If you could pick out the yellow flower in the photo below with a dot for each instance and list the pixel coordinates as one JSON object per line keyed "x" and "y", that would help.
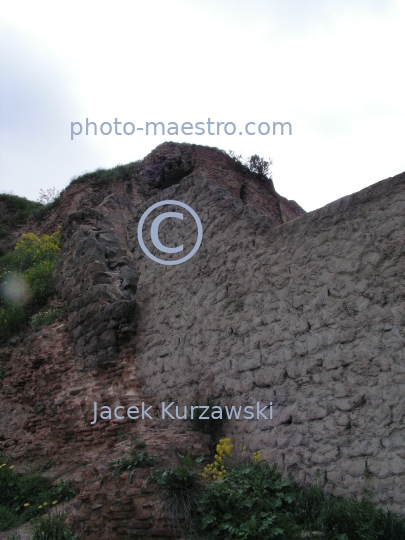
{"x": 45, "y": 503}
{"x": 217, "y": 469}
{"x": 54, "y": 502}
{"x": 40, "y": 506}
{"x": 12, "y": 467}
{"x": 26, "y": 504}
{"x": 256, "y": 458}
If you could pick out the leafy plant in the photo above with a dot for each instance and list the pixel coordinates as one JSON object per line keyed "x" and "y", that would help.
{"x": 26, "y": 279}
{"x": 64, "y": 491}
{"x": 52, "y": 527}
{"x": 309, "y": 504}
{"x": 30, "y": 252}
{"x": 121, "y": 435}
{"x": 129, "y": 464}
{"x": 250, "y": 501}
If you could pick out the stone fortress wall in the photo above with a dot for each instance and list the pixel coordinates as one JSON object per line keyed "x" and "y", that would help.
{"x": 309, "y": 315}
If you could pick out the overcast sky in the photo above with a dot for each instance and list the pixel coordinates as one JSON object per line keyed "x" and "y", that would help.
{"x": 333, "y": 69}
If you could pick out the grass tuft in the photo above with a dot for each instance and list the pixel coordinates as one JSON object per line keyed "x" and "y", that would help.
{"x": 52, "y": 527}
{"x": 104, "y": 177}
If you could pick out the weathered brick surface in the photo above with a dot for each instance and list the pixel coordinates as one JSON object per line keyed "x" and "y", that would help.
{"x": 47, "y": 420}
{"x": 171, "y": 162}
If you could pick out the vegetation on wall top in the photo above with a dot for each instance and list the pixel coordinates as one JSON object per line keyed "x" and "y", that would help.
{"x": 103, "y": 177}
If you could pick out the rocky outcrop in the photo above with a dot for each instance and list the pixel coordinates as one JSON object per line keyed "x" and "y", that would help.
{"x": 97, "y": 282}
{"x": 167, "y": 165}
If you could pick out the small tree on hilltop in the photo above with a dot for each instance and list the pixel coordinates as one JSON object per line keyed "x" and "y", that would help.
{"x": 258, "y": 165}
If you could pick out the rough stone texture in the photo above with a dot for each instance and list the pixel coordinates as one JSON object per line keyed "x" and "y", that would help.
{"x": 97, "y": 282}
{"x": 309, "y": 315}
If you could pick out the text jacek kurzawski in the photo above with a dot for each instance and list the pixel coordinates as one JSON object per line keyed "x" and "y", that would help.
{"x": 171, "y": 411}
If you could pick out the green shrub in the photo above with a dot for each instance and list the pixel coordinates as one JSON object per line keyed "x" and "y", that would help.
{"x": 26, "y": 279}
{"x": 64, "y": 491}
{"x": 44, "y": 317}
{"x": 129, "y": 464}
{"x": 18, "y": 209}
{"x": 29, "y": 251}
{"x": 12, "y": 318}
{"x": 40, "y": 281}
{"x": 52, "y": 527}
{"x": 251, "y": 501}
{"x": 29, "y": 487}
